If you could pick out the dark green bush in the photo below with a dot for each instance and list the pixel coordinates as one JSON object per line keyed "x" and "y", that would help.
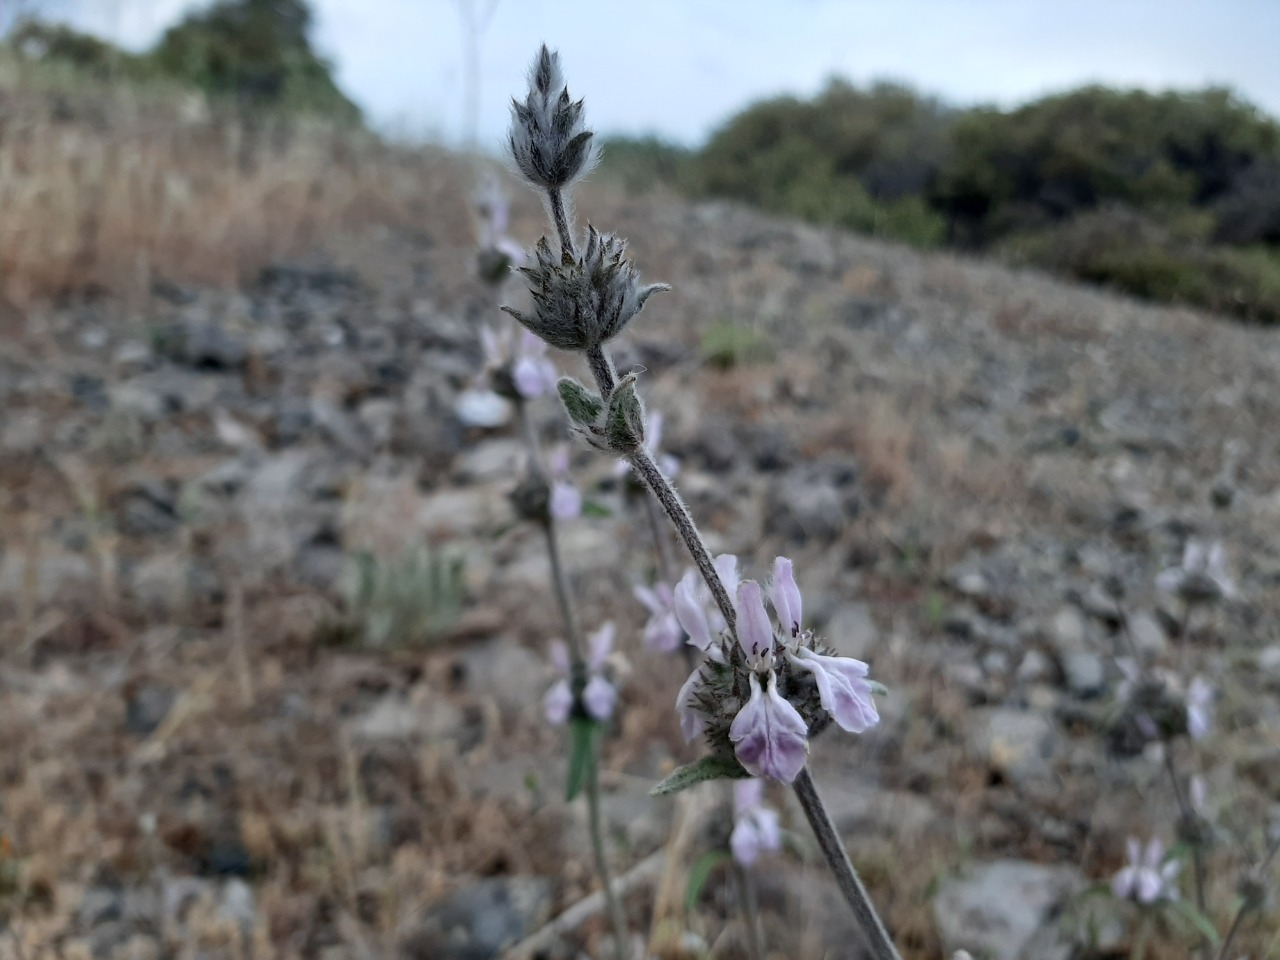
{"x": 256, "y": 52}
{"x": 1065, "y": 155}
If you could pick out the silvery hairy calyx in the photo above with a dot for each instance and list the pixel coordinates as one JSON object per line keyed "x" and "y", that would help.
{"x": 766, "y": 684}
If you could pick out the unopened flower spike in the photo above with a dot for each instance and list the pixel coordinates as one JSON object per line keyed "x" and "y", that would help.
{"x": 549, "y": 140}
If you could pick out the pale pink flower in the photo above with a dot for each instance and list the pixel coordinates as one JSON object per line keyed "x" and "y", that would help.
{"x": 662, "y": 631}
{"x": 1147, "y": 878}
{"x": 599, "y": 696}
{"x": 755, "y": 824}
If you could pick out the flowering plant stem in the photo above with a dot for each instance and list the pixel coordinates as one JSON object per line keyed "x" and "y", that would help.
{"x": 642, "y": 462}
{"x": 855, "y": 894}
{"x": 1188, "y": 815}
{"x": 577, "y": 661}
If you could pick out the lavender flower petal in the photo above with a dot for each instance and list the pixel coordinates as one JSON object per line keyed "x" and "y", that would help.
{"x": 785, "y": 596}
{"x": 566, "y": 501}
{"x": 691, "y": 720}
{"x": 691, "y": 611}
{"x": 755, "y": 632}
{"x": 557, "y": 703}
{"x": 842, "y": 688}
{"x": 770, "y": 737}
{"x": 599, "y": 697}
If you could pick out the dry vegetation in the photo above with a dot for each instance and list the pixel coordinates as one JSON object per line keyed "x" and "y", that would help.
{"x": 271, "y": 761}
{"x": 111, "y": 194}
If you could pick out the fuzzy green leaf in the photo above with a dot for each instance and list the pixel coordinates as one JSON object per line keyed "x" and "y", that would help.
{"x": 624, "y": 421}
{"x": 700, "y": 771}
{"x": 583, "y": 406}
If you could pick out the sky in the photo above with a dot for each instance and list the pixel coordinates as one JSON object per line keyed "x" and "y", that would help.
{"x": 678, "y": 68}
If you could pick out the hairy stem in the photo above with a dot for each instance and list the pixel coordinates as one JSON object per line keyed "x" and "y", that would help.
{"x": 602, "y": 369}
{"x": 559, "y": 578}
{"x": 560, "y": 217}
{"x": 564, "y": 598}
{"x": 648, "y": 471}
{"x": 1188, "y": 814}
{"x": 855, "y": 894}
{"x": 621, "y": 934}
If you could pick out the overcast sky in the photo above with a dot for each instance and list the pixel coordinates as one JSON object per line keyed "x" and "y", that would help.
{"x": 678, "y": 67}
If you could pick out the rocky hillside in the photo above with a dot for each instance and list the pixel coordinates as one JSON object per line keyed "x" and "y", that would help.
{"x": 210, "y": 749}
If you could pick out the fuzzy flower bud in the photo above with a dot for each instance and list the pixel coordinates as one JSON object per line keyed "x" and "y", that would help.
{"x": 549, "y": 142}
{"x": 582, "y": 302}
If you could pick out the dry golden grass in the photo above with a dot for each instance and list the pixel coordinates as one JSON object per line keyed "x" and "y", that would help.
{"x": 174, "y": 192}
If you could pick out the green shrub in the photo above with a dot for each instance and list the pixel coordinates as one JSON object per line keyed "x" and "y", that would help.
{"x": 1126, "y": 250}
{"x": 256, "y": 52}
{"x": 1069, "y": 154}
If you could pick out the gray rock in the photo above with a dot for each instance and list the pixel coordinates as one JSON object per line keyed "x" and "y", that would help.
{"x": 995, "y": 910}
{"x": 146, "y": 706}
{"x": 396, "y": 718}
{"x": 237, "y": 904}
{"x": 1036, "y": 667}
{"x": 478, "y": 921}
{"x": 497, "y": 458}
{"x": 161, "y": 582}
{"x": 1084, "y": 672}
{"x": 482, "y": 408}
{"x": 1269, "y": 661}
{"x": 1016, "y": 743}
{"x": 1148, "y": 635}
{"x": 1068, "y": 630}
{"x": 509, "y": 673}
{"x": 207, "y": 346}
{"x": 852, "y": 631}
{"x": 803, "y": 511}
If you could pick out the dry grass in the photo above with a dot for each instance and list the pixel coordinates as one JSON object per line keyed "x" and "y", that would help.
{"x": 171, "y": 191}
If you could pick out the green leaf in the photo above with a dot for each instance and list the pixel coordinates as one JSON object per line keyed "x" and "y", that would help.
{"x": 1197, "y": 919}
{"x": 699, "y": 874}
{"x": 582, "y": 406}
{"x": 582, "y": 754}
{"x": 594, "y": 508}
{"x": 708, "y": 768}
{"x": 624, "y": 418}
